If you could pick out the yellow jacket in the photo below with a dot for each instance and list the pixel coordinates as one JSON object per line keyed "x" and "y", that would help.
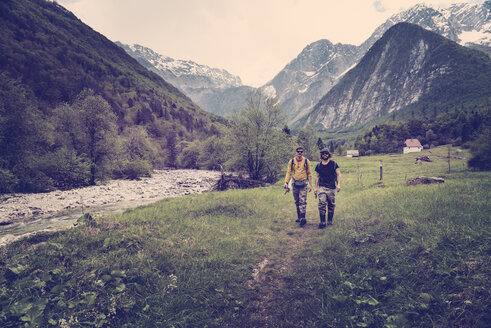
{"x": 299, "y": 172}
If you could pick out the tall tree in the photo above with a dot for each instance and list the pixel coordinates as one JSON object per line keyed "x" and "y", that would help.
{"x": 171, "y": 147}
{"x": 307, "y": 138}
{"x": 481, "y": 151}
{"x": 23, "y": 136}
{"x": 258, "y": 139}
{"x": 99, "y": 132}
{"x": 320, "y": 144}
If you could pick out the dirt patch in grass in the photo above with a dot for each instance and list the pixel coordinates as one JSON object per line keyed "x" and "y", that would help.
{"x": 268, "y": 278}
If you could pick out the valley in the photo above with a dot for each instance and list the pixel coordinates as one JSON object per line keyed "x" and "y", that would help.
{"x": 88, "y": 239}
{"x": 397, "y": 255}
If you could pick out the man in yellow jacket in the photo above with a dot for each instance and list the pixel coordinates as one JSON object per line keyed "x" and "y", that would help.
{"x": 299, "y": 170}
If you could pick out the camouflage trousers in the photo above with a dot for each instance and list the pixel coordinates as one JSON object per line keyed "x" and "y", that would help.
{"x": 300, "y": 197}
{"x": 327, "y": 198}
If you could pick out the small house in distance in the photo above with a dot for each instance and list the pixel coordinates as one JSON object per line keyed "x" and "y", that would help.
{"x": 412, "y": 146}
{"x": 352, "y": 153}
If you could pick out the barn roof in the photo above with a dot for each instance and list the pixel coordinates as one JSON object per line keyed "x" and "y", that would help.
{"x": 412, "y": 143}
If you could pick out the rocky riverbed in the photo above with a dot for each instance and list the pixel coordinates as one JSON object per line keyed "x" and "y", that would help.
{"x": 24, "y": 214}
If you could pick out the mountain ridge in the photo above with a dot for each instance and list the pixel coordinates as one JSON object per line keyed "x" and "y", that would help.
{"x": 175, "y": 70}
{"x": 409, "y": 65}
{"x": 20, "y": 59}
{"x": 452, "y": 22}
{"x": 319, "y": 66}
{"x": 215, "y": 90}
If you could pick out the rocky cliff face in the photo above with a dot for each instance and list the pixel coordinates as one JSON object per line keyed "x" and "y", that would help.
{"x": 307, "y": 78}
{"x": 408, "y": 65}
{"x": 214, "y": 90}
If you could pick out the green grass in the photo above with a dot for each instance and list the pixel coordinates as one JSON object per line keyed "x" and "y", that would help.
{"x": 397, "y": 256}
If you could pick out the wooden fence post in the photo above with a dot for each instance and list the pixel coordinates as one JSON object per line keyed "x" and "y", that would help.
{"x": 449, "y": 146}
{"x": 358, "y": 170}
{"x": 381, "y": 167}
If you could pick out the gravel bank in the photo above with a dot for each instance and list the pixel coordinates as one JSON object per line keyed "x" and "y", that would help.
{"x": 18, "y": 212}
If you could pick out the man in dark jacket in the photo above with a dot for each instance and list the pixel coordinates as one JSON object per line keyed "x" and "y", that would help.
{"x": 327, "y": 182}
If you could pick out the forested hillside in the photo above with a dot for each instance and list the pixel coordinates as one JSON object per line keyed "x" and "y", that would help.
{"x": 458, "y": 128}
{"x": 57, "y": 77}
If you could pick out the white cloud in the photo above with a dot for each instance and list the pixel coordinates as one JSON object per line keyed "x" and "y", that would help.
{"x": 379, "y": 6}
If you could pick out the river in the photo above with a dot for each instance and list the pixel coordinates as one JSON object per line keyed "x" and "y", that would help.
{"x": 24, "y": 214}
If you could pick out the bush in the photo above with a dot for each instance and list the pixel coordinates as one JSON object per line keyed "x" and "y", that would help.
{"x": 135, "y": 169}
{"x": 31, "y": 176}
{"x": 66, "y": 169}
{"x": 189, "y": 157}
{"x": 8, "y": 181}
{"x": 213, "y": 153}
{"x": 481, "y": 152}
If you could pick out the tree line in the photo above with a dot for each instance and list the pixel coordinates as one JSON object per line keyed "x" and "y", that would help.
{"x": 467, "y": 128}
{"x": 81, "y": 143}
{"x": 458, "y": 128}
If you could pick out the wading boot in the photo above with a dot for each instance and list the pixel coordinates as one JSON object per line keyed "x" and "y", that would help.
{"x": 303, "y": 221}
{"x": 329, "y": 218}
{"x": 322, "y": 225}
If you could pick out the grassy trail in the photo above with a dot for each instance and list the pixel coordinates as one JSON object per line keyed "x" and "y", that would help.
{"x": 268, "y": 277}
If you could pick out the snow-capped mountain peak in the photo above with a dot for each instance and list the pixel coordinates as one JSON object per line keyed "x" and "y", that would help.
{"x": 461, "y": 22}
{"x": 175, "y": 70}
{"x": 213, "y": 89}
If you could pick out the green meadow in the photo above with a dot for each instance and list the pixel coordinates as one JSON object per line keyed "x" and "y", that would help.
{"x": 396, "y": 256}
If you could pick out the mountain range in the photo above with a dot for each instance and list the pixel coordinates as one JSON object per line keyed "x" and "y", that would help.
{"x": 214, "y": 90}
{"x": 308, "y": 77}
{"x": 298, "y": 87}
{"x": 409, "y": 67}
{"x": 319, "y": 67}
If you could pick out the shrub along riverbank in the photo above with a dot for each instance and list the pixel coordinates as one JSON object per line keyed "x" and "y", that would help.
{"x": 397, "y": 256}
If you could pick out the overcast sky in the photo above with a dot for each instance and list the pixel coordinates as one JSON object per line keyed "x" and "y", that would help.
{"x": 253, "y": 39}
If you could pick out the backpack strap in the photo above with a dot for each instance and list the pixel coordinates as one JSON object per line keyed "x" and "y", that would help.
{"x": 305, "y": 164}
